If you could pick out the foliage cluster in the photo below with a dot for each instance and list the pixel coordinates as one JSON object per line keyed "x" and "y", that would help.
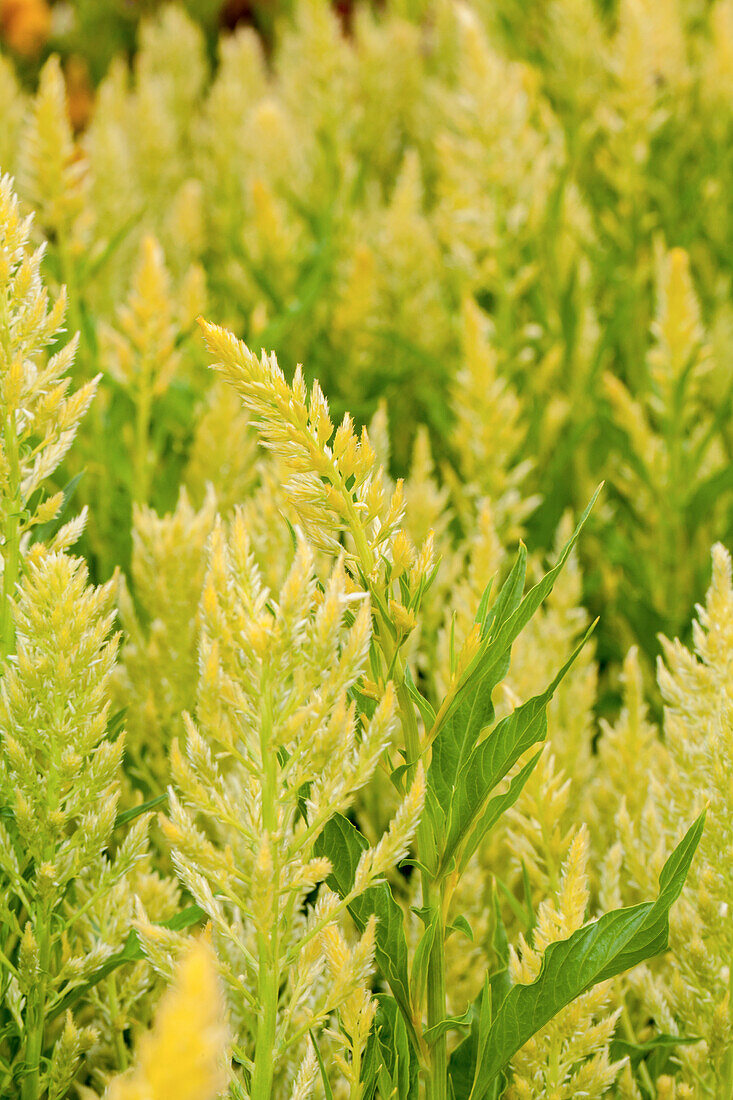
{"x": 313, "y": 780}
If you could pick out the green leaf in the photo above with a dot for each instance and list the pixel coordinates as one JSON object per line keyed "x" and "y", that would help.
{"x": 499, "y": 982}
{"x": 472, "y": 710}
{"x": 499, "y": 940}
{"x": 328, "y": 1092}
{"x": 460, "y": 924}
{"x": 115, "y": 724}
{"x": 656, "y": 1052}
{"x": 451, "y": 1023}
{"x": 126, "y": 816}
{"x": 389, "y": 1064}
{"x": 426, "y": 711}
{"x": 396, "y": 778}
{"x": 193, "y": 914}
{"x": 434, "y": 815}
{"x": 483, "y": 607}
{"x": 342, "y": 844}
{"x": 463, "y": 1062}
{"x": 523, "y": 913}
{"x": 90, "y": 266}
{"x": 531, "y": 915}
{"x": 421, "y": 959}
{"x": 709, "y": 491}
{"x": 490, "y": 761}
{"x": 497, "y": 807}
{"x": 615, "y": 942}
{"x": 509, "y": 598}
{"x": 486, "y": 1008}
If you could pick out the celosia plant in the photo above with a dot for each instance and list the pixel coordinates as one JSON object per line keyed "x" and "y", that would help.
{"x": 498, "y": 235}
{"x": 60, "y": 757}
{"x": 274, "y": 752}
{"x": 59, "y": 787}
{"x": 40, "y": 417}
{"x": 336, "y": 485}
{"x": 690, "y": 997}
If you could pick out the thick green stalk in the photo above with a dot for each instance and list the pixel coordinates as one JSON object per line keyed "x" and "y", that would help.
{"x": 356, "y": 1091}
{"x": 268, "y": 945}
{"x": 437, "y": 1082}
{"x": 42, "y": 988}
{"x": 121, "y": 1048}
{"x": 36, "y": 1014}
{"x": 437, "y": 1070}
{"x": 630, "y": 1034}
{"x": 266, "y": 1024}
{"x": 141, "y": 465}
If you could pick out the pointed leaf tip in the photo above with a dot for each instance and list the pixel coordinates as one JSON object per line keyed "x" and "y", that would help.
{"x": 600, "y": 950}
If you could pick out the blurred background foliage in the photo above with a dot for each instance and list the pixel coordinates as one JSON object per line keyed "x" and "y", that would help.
{"x": 507, "y": 221}
{"x": 93, "y": 32}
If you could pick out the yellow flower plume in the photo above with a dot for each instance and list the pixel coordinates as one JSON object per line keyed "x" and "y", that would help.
{"x": 183, "y": 1055}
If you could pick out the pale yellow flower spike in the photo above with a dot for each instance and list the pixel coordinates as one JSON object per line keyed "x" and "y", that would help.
{"x": 183, "y": 1056}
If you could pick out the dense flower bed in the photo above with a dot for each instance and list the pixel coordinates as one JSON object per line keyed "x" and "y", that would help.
{"x": 276, "y": 665}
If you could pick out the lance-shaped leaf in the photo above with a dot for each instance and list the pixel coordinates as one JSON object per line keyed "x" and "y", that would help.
{"x": 606, "y": 947}
{"x": 342, "y": 844}
{"x": 390, "y": 1066}
{"x": 494, "y": 810}
{"x": 472, "y": 710}
{"x": 655, "y": 1053}
{"x": 490, "y": 761}
{"x": 421, "y": 960}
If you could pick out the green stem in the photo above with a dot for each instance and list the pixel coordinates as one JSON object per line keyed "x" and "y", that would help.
{"x": 631, "y": 1036}
{"x": 268, "y": 946}
{"x": 426, "y": 853}
{"x": 266, "y": 1026}
{"x": 36, "y": 1015}
{"x": 437, "y": 1081}
{"x": 41, "y": 992}
{"x": 119, "y": 1039}
{"x": 437, "y": 1069}
{"x": 357, "y": 1089}
{"x": 141, "y": 466}
{"x": 409, "y": 721}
